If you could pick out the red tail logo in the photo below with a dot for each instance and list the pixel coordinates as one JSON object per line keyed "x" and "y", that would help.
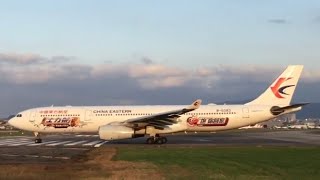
{"x": 277, "y": 90}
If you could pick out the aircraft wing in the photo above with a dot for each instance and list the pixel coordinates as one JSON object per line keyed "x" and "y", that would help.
{"x": 161, "y": 120}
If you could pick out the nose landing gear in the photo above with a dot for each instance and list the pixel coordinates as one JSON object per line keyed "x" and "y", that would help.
{"x": 38, "y": 138}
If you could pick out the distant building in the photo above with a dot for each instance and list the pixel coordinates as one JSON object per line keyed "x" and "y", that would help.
{"x": 290, "y": 117}
{"x": 280, "y": 121}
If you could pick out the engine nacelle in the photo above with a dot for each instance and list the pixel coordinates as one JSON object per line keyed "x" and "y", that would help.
{"x": 114, "y": 132}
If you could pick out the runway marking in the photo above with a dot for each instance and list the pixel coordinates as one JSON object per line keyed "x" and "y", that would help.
{"x": 86, "y": 135}
{"x": 13, "y": 142}
{"x": 62, "y": 157}
{"x": 5, "y": 143}
{"x": 58, "y": 143}
{"x": 48, "y": 157}
{"x": 100, "y": 144}
{"x": 75, "y": 143}
{"x": 22, "y": 143}
{"x": 204, "y": 140}
{"x": 39, "y": 144}
{"x": 36, "y": 156}
{"x": 92, "y": 143}
{"x": 25, "y": 141}
{"x": 10, "y": 155}
{"x": 31, "y": 143}
{"x": 16, "y": 139}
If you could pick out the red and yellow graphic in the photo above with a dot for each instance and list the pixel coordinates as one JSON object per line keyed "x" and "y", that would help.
{"x": 277, "y": 90}
{"x": 192, "y": 121}
{"x": 204, "y": 121}
{"x": 64, "y": 122}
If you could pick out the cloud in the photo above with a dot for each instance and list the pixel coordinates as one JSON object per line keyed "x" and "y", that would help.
{"x": 278, "y": 21}
{"x": 13, "y": 58}
{"x": 30, "y": 58}
{"x": 60, "y": 59}
{"x": 147, "y": 75}
{"x": 317, "y": 19}
{"x": 41, "y": 84}
{"x": 147, "y": 60}
{"x": 311, "y": 76}
{"x": 154, "y": 70}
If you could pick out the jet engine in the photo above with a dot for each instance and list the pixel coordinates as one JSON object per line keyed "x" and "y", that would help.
{"x": 114, "y": 132}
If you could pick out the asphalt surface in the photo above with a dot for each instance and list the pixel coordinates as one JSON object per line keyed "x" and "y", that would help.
{"x": 59, "y": 148}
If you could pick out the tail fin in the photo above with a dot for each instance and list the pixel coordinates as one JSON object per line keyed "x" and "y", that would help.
{"x": 282, "y": 89}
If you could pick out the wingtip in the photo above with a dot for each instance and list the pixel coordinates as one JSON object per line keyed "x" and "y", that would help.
{"x": 196, "y": 104}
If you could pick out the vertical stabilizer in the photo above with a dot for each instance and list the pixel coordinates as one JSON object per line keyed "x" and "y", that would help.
{"x": 282, "y": 89}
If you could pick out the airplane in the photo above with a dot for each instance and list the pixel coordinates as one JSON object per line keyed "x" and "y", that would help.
{"x": 125, "y": 122}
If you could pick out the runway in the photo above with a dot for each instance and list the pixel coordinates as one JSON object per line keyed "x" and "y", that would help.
{"x": 239, "y": 137}
{"x": 54, "y": 141}
{"x": 57, "y": 148}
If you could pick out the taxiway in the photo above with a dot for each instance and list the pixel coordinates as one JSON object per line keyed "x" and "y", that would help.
{"x": 57, "y": 148}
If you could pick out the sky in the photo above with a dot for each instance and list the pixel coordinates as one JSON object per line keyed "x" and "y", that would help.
{"x": 94, "y": 52}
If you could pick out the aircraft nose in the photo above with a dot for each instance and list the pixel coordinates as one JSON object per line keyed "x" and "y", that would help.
{"x": 12, "y": 122}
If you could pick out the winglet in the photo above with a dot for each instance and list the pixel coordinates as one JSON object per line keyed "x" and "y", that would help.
{"x": 195, "y": 105}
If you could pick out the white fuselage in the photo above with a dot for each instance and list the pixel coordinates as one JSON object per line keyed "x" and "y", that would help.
{"x": 88, "y": 119}
{"x": 122, "y": 122}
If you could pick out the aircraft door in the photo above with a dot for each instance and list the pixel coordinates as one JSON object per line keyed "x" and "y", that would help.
{"x": 88, "y": 116}
{"x": 245, "y": 112}
{"x": 32, "y": 116}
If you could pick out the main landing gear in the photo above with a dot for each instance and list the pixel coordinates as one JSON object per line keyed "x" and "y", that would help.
{"x": 157, "y": 140}
{"x": 38, "y": 138}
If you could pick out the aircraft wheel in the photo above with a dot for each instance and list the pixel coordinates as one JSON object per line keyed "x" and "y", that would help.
{"x": 37, "y": 137}
{"x": 38, "y": 141}
{"x": 159, "y": 140}
{"x": 165, "y": 140}
{"x": 150, "y": 140}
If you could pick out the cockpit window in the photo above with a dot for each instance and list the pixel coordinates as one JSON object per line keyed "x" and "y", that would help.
{"x": 19, "y": 115}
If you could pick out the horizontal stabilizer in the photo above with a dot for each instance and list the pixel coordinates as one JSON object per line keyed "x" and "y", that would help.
{"x": 275, "y": 110}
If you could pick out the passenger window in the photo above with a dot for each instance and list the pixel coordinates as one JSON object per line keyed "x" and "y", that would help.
{"x": 19, "y": 115}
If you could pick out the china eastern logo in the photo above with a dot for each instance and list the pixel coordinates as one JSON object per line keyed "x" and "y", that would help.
{"x": 278, "y": 90}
